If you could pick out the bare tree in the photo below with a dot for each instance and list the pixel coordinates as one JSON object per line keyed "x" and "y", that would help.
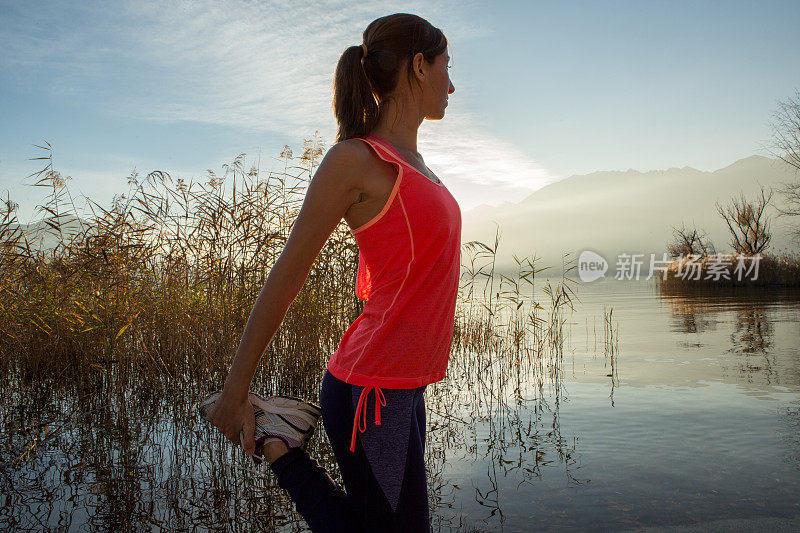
{"x": 785, "y": 126}
{"x": 791, "y": 195}
{"x": 750, "y": 227}
{"x": 688, "y": 241}
{"x": 785, "y": 145}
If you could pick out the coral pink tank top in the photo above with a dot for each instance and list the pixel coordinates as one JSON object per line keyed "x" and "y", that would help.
{"x": 408, "y": 272}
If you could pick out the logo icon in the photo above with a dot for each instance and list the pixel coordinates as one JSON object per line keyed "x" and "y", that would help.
{"x": 591, "y": 266}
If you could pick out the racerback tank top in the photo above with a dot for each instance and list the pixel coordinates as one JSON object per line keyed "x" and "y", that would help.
{"x": 408, "y": 272}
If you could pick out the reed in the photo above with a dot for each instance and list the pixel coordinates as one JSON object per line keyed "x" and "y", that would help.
{"x": 116, "y": 316}
{"x": 166, "y": 276}
{"x": 164, "y": 279}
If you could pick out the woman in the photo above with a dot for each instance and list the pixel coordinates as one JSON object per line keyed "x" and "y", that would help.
{"x": 408, "y": 229}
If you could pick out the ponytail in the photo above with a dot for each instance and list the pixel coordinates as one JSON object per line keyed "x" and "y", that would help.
{"x": 354, "y": 105}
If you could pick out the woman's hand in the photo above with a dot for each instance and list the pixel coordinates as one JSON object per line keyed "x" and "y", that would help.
{"x": 233, "y": 415}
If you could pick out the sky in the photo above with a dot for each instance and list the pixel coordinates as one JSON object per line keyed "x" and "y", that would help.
{"x": 543, "y": 90}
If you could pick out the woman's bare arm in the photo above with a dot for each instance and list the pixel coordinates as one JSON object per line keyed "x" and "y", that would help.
{"x": 334, "y": 187}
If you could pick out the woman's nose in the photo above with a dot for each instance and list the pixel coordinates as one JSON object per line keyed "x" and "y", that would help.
{"x": 452, "y": 88}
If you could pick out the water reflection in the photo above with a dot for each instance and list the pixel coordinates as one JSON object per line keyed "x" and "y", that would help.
{"x": 126, "y": 456}
{"x": 749, "y": 318}
{"x": 495, "y": 419}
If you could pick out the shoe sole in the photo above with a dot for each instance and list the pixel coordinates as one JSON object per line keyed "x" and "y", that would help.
{"x": 284, "y": 405}
{"x": 289, "y": 405}
{"x": 279, "y": 405}
{"x": 282, "y": 402}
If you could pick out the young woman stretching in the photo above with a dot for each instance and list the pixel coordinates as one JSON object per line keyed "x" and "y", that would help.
{"x": 408, "y": 229}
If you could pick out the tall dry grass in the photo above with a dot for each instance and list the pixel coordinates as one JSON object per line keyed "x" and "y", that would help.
{"x": 163, "y": 280}
{"x": 114, "y": 329}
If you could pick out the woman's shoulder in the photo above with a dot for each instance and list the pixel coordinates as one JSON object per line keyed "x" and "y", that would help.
{"x": 350, "y": 150}
{"x": 356, "y": 157}
{"x": 346, "y": 158}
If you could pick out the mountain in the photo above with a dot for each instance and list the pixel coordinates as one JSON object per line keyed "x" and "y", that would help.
{"x": 612, "y": 212}
{"x": 43, "y": 236}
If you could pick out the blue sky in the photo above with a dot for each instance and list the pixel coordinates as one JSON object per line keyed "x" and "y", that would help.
{"x": 544, "y": 90}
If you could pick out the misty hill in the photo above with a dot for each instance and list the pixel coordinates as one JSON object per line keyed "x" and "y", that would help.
{"x": 43, "y": 236}
{"x": 612, "y": 212}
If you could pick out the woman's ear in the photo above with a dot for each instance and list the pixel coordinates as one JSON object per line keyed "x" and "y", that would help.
{"x": 417, "y": 64}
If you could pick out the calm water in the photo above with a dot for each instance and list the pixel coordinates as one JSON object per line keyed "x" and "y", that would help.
{"x": 692, "y": 418}
{"x": 699, "y": 422}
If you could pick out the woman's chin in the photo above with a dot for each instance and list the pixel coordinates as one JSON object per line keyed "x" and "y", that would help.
{"x": 438, "y": 116}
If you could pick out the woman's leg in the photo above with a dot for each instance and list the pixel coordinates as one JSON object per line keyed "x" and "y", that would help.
{"x": 364, "y": 493}
{"x": 364, "y": 507}
{"x": 366, "y": 496}
{"x": 319, "y": 500}
{"x": 413, "y": 514}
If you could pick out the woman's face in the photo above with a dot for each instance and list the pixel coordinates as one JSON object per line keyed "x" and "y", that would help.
{"x": 437, "y": 86}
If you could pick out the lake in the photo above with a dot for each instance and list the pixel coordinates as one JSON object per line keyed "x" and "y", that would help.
{"x": 698, "y": 424}
{"x": 689, "y": 416}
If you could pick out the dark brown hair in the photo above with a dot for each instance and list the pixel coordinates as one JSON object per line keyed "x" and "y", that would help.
{"x": 362, "y": 84}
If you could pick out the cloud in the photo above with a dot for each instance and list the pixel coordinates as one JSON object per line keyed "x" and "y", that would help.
{"x": 461, "y": 150}
{"x": 257, "y": 65}
{"x": 252, "y": 66}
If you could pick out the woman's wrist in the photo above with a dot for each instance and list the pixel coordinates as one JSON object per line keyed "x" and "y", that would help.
{"x": 236, "y": 387}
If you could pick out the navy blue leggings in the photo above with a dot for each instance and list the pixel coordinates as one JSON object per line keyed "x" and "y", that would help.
{"x": 364, "y": 507}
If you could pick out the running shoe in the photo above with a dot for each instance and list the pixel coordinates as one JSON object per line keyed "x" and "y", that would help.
{"x": 285, "y": 418}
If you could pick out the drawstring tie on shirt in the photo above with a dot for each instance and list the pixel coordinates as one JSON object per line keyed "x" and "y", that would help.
{"x": 361, "y": 411}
